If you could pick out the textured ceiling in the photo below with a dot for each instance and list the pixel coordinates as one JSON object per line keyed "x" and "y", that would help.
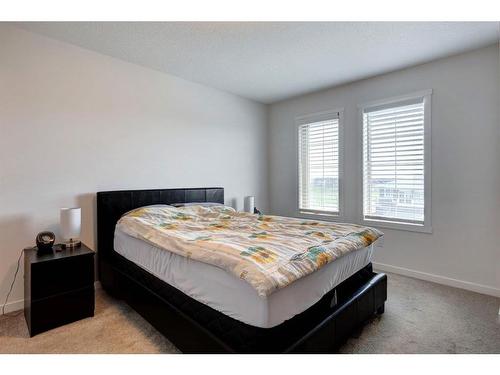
{"x": 273, "y": 61}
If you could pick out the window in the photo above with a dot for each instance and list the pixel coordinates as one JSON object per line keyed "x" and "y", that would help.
{"x": 396, "y": 162}
{"x": 319, "y": 180}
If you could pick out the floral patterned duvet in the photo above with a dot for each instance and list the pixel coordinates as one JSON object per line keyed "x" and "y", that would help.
{"x": 269, "y": 252}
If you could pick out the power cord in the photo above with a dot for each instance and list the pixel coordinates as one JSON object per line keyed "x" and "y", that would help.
{"x": 13, "y": 281}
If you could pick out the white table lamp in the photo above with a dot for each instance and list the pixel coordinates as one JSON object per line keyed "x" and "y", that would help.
{"x": 249, "y": 204}
{"x": 71, "y": 223}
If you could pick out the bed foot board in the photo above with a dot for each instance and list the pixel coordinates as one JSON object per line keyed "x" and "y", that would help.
{"x": 364, "y": 305}
{"x": 322, "y": 331}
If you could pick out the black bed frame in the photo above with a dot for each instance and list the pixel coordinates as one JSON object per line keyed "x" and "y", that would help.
{"x": 196, "y": 328}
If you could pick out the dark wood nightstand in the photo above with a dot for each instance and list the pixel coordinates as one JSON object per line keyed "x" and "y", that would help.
{"x": 58, "y": 287}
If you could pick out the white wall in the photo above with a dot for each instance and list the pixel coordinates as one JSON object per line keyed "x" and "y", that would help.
{"x": 74, "y": 122}
{"x": 464, "y": 248}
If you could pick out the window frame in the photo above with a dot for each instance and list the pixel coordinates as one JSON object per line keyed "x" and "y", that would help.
{"x": 310, "y": 118}
{"x": 426, "y": 227}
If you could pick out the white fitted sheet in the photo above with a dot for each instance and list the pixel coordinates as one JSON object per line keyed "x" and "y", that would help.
{"x": 232, "y": 296}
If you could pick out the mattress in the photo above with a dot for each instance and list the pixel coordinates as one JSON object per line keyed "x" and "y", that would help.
{"x": 232, "y": 296}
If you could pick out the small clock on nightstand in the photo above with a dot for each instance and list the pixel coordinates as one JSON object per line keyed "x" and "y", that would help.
{"x": 58, "y": 287}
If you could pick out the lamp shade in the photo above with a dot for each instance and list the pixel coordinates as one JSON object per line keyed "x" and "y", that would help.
{"x": 249, "y": 204}
{"x": 71, "y": 222}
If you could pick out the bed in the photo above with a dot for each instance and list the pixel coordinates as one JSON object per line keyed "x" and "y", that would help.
{"x": 203, "y": 309}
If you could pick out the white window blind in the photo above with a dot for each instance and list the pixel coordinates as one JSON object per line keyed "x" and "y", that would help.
{"x": 319, "y": 166}
{"x": 393, "y": 162}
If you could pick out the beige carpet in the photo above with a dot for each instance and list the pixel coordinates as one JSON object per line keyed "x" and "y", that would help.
{"x": 420, "y": 317}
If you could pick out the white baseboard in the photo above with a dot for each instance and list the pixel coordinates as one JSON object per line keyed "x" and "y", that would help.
{"x": 467, "y": 285}
{"x": 19, "y": 304}
{"x": 14, "y": 306}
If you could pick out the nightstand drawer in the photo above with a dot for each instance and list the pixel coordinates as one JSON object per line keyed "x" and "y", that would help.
{"x": 64, "y": 308}
{"x": 61, "y": 276}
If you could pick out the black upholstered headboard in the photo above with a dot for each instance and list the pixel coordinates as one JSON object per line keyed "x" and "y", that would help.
{"x": 111, "y": 205}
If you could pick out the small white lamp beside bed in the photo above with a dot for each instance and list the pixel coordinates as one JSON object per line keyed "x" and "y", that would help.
{"x": 71, "y": 223}
{"x": 249, "y": 204}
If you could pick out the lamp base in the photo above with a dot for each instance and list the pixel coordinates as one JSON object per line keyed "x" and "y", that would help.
{"x": 71, "y": 244}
